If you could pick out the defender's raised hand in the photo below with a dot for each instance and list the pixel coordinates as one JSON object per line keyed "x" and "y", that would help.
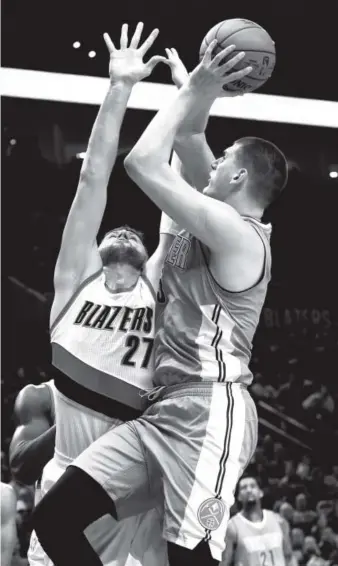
{"x": 212, "y": 73}
{"x": 179, "y": 72}
{"x": 126, "y": 64}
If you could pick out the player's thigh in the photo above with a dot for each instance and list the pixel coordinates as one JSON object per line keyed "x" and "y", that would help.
{"x": 208, "y": 439}
{"x": 116, "y": 462}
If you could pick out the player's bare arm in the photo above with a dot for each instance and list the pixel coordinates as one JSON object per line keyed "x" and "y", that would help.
{"x": 230, "y": 541}
{"x": 287, "y": 547}
{"x": 8, "y": 523}
{"x": 214, "y": 223}
{"x": 190, "y": 142}
{"x": 79, "y": 255}
{"x": 33, "y": 442}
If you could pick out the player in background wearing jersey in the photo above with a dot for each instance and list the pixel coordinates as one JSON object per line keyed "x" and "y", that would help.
{"x": 102, "y": 330}
{"x": 32, "y": 447}
{"x": 200, "y": 430}
{"x": 8, "y": 523}
{"x": 256, "y": 536}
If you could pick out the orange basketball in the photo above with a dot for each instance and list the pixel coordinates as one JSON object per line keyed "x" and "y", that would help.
{"x": 258, "y": 46}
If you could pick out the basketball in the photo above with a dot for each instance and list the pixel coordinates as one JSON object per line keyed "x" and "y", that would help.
{"x": 259, "y": 49}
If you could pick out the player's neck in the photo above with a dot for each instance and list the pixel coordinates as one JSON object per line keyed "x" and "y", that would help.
{"x": 245, "y": 206}
{"x": 120, "y": 277}
{"x": 255, "y": 515}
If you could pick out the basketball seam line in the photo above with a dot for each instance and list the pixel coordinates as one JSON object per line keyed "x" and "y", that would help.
{"x": 238, "y": 30}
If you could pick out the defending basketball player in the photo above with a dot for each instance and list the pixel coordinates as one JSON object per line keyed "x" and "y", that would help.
{"x": 256, "y": 536}
{"x": 200, "y": 430}
{"x": 102, "y": 329}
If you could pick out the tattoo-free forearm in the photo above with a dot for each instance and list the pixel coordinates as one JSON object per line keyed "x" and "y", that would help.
{"x": 156, "y": 143}
{"x": 29, "y": 457}
{"x": 103, "y": 142}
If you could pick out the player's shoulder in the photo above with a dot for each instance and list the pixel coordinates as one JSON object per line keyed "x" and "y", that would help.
{"x": 233, "y": 526}
{"x": 32, "y": 401}
{"x": 277, "y": 518}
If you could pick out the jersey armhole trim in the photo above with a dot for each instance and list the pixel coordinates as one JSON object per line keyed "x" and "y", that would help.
{"x": 73, "y": 297}
{"x": 244, "y": 290}
{"x": 149, "y": 284}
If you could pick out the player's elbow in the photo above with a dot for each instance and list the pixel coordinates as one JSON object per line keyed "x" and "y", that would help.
{"x": 139, "y": 164}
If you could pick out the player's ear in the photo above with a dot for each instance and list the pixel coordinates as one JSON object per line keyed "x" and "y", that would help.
{"x": 261, "y": 494}
{"x": 239, "y": 176}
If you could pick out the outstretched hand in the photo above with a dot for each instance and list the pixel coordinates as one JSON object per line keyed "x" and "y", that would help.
{"x": 126, "y": 64}
{"x": 212, "y": 73}
{"x": 179, "y": 72}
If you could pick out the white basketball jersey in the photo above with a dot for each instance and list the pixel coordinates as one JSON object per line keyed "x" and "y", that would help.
{"x": 103, "y": 343}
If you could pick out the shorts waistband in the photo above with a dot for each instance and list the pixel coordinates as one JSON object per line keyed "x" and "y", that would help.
{"x": 198, "y": 388}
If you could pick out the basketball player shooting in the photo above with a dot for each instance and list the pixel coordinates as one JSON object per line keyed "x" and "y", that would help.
{"x": 256, "y": 536}
{"x": 102, "y": 330}
{"x": 200, "y": 430}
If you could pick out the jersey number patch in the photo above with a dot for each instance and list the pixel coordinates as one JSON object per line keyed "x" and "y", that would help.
{"x": 267, "y": 559}
{"x": 133, "y": 343}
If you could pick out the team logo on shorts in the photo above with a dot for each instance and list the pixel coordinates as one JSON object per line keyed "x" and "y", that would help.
{"x": 211, "y": 513}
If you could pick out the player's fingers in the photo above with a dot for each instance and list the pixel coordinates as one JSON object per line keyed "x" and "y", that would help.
{"x": 208, "y": 52}
{"x": 154, "y": 61}
{"x": 124, "y": 37}
{"x": 110, "y": 45}
{"x": 175, "y": 52}
{"x": 222, "y": 55}
{"x": 149, "y": 41}
{"x": 226, "y": 67}
{"x": 137, "y": 35}
{"x": 169, "y": 54}
{"x": 237, "y": 75}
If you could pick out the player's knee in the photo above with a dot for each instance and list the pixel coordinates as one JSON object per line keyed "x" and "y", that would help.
{"x": 73, "y": 503}
{"x": 200, "y": 555}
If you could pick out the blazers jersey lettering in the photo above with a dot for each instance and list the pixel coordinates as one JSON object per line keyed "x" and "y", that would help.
{"x": 205, "y": 332}
{"x": 258, "y": 544}
{"x": 103, "y": 343}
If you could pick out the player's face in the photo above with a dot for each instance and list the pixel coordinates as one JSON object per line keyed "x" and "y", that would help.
{"x": 222, "y": 181}
{"x": 249, "y": 491}
{"x": 123, "y": 246}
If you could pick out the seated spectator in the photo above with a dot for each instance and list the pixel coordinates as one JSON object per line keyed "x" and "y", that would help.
{"x": 287, "y": 511}
{"x": 297, "y": 542}
{"x": 328, "y": 544}
{"x": 303, "y": 517}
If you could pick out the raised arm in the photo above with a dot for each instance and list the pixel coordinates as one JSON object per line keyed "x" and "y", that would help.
{"x": 213, "y": 222}
{"x": 190, "y": 142}
{"x": 33, "y": 442}
{"x": 79, "y": 255}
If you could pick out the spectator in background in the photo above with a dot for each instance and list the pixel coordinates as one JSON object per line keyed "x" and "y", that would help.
{"x": 287, "y": 511}
{"x": 297, "y": 542}
{"x": 319, "y": 405}
{"x": 328, "y": 544}
{"x": 303, "y": 517}
{"x": 24, "y": 507}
